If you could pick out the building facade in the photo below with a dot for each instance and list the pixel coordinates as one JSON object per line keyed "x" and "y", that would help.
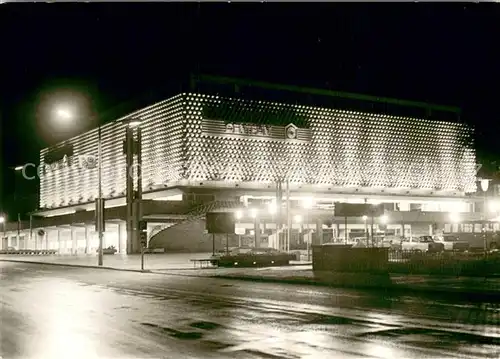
{"x": 199, "y": 148}
{"x": 223, "y": 142}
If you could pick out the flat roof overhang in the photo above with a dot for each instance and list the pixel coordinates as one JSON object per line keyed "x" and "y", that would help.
{"x": 156, "y": 195}
{"x": 320, "y": 192}
{"x": 230, "y": 189}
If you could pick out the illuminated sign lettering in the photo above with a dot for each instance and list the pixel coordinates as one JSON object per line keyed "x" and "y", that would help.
{"x": 248, "y": 129}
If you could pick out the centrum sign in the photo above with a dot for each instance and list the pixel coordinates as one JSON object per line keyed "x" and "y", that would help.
{"x": 244, "y": 129}
{"x": 248, "y": 129}
{"x": 85, "y": 161}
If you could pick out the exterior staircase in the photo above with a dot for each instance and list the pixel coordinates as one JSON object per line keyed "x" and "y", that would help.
{"x": 195, "y": 215}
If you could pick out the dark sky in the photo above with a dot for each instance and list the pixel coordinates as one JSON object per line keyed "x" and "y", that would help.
{"x": 123, "y": 55}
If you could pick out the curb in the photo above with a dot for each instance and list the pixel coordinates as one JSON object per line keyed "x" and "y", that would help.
{"x": 78, "y": 266}
{"x": 395, "y": 288}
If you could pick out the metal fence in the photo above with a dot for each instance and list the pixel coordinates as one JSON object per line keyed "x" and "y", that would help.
{"x": 444, "y": 263}
{"x": 29, "y": 251}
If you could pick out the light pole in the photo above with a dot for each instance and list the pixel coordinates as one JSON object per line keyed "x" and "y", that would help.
{"x": 253, "y": 214}
{"x": 272, "y": 208}
{"x": 308, "y": 204}
{"x": 131, "y": 123}
{"x": 2, "y": 221}
{"x": 67, "y": 115}
{"x": 494, "y": 207}
{"x": 17, "y": 169}
{"x": 365, "y": 218}
{"x": 454, "y": 218}
{"x": 384, "y": 219}
{"x": 298, "y": 219}
{"x": 100, "y": 202}
{"x": 288, "y": 216}
{"x": 485, "y": 183}
{"x": 238, "y": 216}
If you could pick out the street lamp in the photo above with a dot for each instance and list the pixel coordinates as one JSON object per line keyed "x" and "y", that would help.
{"x": 454, "y": 217}
{"x": 298, "y": 219}
{"x": 307, "y": 204}
{"x": 494, "y": 206}
{"x": 238, "y": 215}
{"x": 253, "y": 214}
{"x": 134, "y": 122}
{"x": 64, "y": 113}
{"x": 365, "y": 219}
{"x": 271, "y": 207}
{"x": 485, "y": 183}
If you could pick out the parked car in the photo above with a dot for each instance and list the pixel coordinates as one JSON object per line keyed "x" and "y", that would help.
{"x": 452, "y": 243}
{"x": 422, "y": 244}
{"x": 392, "y": 242}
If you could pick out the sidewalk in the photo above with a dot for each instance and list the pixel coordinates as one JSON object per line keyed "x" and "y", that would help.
{"x": 152, "y": 262}
{"x": 296, "y": 273}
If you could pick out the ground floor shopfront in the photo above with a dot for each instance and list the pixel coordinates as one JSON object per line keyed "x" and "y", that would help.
{"x": 82, "y": 238}
{"x": 72, "y": 230}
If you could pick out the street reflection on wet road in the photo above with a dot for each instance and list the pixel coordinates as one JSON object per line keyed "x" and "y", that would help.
{"x": 60, "y": 312}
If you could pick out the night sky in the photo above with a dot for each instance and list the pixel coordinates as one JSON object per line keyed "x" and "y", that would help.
{"x": 122, "y": 57}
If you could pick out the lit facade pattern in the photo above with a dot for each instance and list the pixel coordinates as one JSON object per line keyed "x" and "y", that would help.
{"x": 194, "y": 138}
{"x": 74, "y": 182}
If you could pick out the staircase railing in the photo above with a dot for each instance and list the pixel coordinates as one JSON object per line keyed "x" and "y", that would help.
{"x": 199, "y": 212}
{"x": 158, "y": 229}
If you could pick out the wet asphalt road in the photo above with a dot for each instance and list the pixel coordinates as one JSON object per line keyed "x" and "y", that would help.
{"x": 62, "y": 312}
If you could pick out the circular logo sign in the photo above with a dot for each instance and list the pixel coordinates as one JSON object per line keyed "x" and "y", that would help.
{"x": 90, "y": 162}
{"x": 291, "y": 132}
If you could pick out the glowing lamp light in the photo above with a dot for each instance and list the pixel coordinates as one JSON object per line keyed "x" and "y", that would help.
{"x": 134, "y": 122}
{"x": 365, "y": 218}
{"x": 253, "y": 212}
{"x": 2, "y": 219}
{"x": 297, "y": 218}
{"x": 238, "y": 214}
{"x": 454, "y": 217}
{"x": 308, "y": 203}
{"x": 494, "y": 206}
{"x": 485, "y": 183}
{"x": 64, "y": 113}
{"x": 18, "y": 168}
{"x": 384, "y": 219}
{"x": 271, "y": 208}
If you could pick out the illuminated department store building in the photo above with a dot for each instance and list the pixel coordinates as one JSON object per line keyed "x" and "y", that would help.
{"x": 205, "y": 152}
